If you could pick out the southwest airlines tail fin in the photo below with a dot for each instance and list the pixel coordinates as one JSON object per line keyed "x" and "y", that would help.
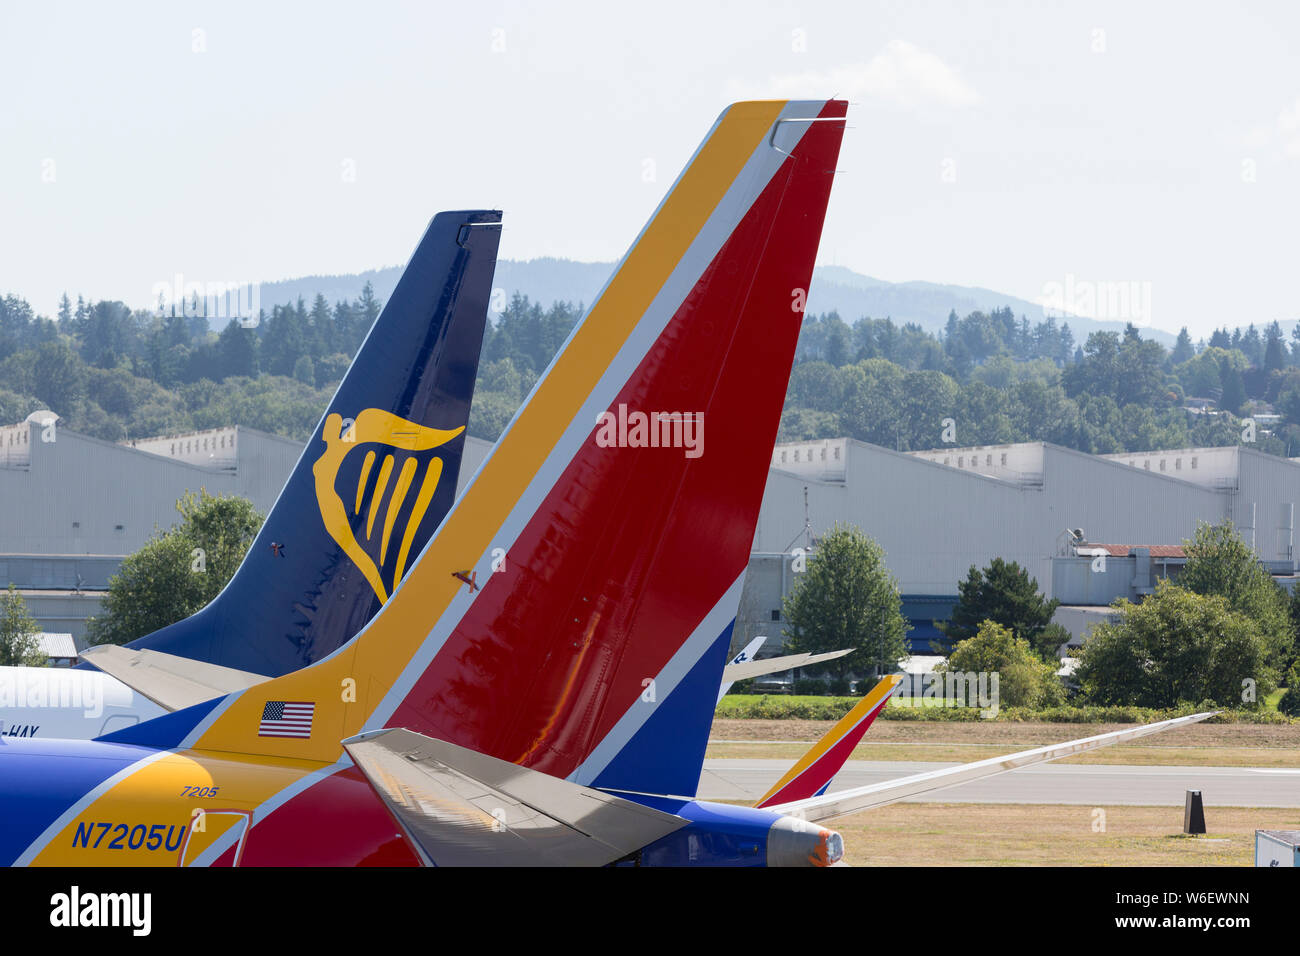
{"x": 590, "y": 572}
{"x": 375, "y": 479}
{"x": 813, "y": 773}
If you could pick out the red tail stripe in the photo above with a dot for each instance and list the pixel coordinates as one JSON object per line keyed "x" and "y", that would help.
{"x": 633, "y": 547}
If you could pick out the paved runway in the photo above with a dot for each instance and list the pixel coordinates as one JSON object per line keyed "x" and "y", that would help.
{"x": 1090, "y": 785}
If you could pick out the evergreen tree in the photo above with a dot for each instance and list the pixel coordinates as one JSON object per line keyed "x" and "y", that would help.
{"x": 1005, "y": 594}
{"x": 1274, "y": 350}
{"x": 1234, "y": 390}
{"x": 1252, "y": 345}
{"x": 367, "y": 308}
{"x": 950, "y": 330}
{"x": 1068, "y": 352}
{"x": 284, "y": 340}
{"x": 321, "y": 338}
{"x": 1182, "y": 348}
{"x": 237, "y": 351}
{"x": 837, "y": 343}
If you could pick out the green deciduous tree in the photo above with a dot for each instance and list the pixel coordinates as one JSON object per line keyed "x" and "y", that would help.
{"x": 58, "y": 378}
{"x": 847, "y": 598}
{"x": 1289, "y": 703}
{"x": 1177, "y": 647}
{"x": 1220, "y": 563}
{"x": 178, "y": 571}
{"x": 19, "y": 644}
{"x": 1024, "y": 680}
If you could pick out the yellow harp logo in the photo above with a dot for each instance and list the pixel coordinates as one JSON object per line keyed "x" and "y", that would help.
{"x": 375, "y": 426}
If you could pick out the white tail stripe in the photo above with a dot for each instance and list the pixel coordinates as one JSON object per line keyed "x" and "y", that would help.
{"x": 665, "y": 682}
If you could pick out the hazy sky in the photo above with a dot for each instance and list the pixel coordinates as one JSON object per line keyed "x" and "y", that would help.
{"x": 1023, "y": 147}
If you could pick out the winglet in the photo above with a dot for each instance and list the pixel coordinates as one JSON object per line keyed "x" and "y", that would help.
{"x": 831, "y": 805}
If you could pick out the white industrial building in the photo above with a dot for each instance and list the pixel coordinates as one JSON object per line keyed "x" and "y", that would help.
{"x": 71, "y": 507}
{"x": 936, "y": 513}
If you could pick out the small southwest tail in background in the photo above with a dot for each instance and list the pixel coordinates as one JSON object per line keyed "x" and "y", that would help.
{"x": 813, "y": 772}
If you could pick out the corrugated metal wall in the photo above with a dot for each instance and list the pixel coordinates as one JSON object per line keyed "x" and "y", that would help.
{"x": 934, "y": 521}
{"x": 84, "y": 496}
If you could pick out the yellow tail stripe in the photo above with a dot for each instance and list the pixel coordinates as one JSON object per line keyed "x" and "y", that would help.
{"x": 399, "y": 495}
{"x": 378, "y": 656}
{"x": 361, "y": 484}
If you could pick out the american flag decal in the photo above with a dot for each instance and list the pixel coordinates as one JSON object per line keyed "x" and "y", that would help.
{"x": 282, "y": 718}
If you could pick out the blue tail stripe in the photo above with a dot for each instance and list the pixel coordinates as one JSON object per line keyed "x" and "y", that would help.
{"x": 166, "y": 731}
{"x": 667, "y": 754}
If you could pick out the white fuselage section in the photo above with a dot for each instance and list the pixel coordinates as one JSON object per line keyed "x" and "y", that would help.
{"x": 67, "y": 703}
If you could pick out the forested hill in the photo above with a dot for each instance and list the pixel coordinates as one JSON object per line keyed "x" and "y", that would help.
{"x": 116, "y": 373}
{"x": 834, "y": 289}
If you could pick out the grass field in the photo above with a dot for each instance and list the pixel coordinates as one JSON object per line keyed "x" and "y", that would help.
{"x": 956, "y": 834}
{"x": 1200, "y": 745}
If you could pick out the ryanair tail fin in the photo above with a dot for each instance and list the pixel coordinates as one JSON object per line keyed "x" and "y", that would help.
{"x": 590, "y": 572}
{"x": 375, "y": 479}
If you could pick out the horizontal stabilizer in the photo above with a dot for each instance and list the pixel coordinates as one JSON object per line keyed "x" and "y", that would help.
{"x": 775, "y": 665}
{"x": 843, "y": 802}
{"x": 171, "y": 682}
{"x": 463, "y": 808}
